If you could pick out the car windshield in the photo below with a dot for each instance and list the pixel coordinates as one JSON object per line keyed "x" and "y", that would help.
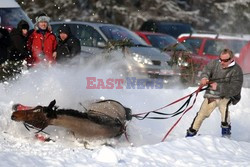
{"x": 116, "y": 33}
{"x": 193, "y": 44}
{"x": 9, "y": 17}
{"x": 236, "y": 45}
{"x": 214, "y": 47}
{"x": 164, "y": 41}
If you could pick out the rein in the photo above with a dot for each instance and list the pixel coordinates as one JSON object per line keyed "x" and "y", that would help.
{"x": 28, "y": 127}
{"x": 144, "y": 115}
{"x": 182, "y": 110}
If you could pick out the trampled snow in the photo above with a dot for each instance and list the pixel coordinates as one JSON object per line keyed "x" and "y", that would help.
{"x": 67, "y": 84}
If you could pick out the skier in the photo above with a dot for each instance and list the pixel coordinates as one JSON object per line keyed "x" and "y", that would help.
{"x": 224, "y": 78}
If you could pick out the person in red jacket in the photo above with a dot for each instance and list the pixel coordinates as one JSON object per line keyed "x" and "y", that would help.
{"x": 42, "y": 42}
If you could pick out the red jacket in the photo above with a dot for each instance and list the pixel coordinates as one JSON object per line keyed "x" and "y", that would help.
{"x": 40, "y": 44}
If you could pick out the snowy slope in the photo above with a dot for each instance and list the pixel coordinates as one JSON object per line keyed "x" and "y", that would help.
{"x": 68, "y": 86}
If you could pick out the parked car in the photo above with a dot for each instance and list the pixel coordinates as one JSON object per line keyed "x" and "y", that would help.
{"x": 189, "y": 64}
{"x": 95, "y": 38}
{"x": 243, "y": 61}
{"x": 158, "y": 40}
{"x": 11, "y": 13}
{"x": 210, "y": 45}
{"x": 171, "y": 28}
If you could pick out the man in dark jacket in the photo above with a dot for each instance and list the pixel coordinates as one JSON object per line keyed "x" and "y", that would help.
{"x": 17, "y": 51}
{"x": 19, "y": 36}
{"x": 68, "y": 45}
{"x": 224, "y": 78}
{"x": 4, "y": 44}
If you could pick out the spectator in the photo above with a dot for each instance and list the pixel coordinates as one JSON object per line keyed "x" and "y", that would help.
{"x": 19, "y": 36}
{"x": 225, "y": 79}
{"x": 42, "y": 42}
{"x": 4, "y": 44}
{"x": 68, "y": 45}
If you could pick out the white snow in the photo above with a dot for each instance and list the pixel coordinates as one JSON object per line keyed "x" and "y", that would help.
{"x": 68, "y": 86}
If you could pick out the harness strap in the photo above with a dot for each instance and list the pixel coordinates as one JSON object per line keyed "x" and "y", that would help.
{"x": 196, "y": 94}
{"x": 28, "y": 127}
{"x": 170, "y": 115}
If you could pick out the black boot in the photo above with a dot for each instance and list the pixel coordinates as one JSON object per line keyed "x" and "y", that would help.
{"x": 225, "y": 130}
{"x": 191, "y": 132}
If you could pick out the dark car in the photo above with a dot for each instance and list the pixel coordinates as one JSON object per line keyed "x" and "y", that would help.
{"x": 171, "y": 28}
{"x": 189, "y": 63}
{"x": 96, "y": 38}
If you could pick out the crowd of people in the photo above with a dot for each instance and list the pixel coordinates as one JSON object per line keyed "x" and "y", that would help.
{"x": 37, "y": 45}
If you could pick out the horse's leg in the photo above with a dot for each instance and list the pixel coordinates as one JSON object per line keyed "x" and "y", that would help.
{"x": 86, "y": 146}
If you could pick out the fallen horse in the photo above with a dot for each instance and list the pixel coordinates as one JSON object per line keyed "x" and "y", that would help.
{"x": 102, "y": 119}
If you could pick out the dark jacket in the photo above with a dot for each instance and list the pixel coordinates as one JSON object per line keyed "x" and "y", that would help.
{"x": 229, "y": 80}
{"x": 68, "y": 48}
{"x": 4, "y": 44}
{"x": 18, "y": 49}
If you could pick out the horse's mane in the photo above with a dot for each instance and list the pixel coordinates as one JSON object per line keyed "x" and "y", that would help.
{"x": 52, "y": 112}
{"x": 71, "y": 112}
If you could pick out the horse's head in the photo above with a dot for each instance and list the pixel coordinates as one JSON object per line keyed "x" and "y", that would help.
{"x": 39, "y": 116}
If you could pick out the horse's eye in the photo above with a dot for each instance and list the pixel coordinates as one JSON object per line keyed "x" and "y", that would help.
{"x": 37, "y": 110}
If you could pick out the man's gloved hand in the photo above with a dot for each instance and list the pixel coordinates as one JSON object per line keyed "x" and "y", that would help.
{"x": 204, "y": 81}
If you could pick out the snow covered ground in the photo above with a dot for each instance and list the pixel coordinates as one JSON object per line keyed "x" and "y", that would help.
{"x": 68, "y": 86}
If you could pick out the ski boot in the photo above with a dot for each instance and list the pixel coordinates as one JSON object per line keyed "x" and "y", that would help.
{"x": 225, "y": 130}
{"x": 191, "y": 132}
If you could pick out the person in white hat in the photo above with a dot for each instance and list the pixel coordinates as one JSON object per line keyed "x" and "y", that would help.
{"x": 42, "y": 42}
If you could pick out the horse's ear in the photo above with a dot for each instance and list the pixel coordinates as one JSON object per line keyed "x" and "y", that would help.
{"x": 52, "y": 104}
{"x": 51, "y": 113}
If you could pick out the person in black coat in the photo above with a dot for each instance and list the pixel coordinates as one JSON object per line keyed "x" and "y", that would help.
{"x": 16, "y": 50}
{"x": 4, "y": 44}
{"x": 19, "y": 36}
{"x": 68, "y": 45}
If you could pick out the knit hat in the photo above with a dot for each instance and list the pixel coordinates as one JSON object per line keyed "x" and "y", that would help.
{"x": 23, "y": 25}
{"x": 64, "y": 29}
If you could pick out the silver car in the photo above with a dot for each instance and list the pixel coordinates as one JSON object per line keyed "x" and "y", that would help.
{"x": 97, "y": 38}
{"x": 11, "y": 13}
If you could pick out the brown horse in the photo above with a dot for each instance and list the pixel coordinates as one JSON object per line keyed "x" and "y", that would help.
{"x": 102, "y": 120}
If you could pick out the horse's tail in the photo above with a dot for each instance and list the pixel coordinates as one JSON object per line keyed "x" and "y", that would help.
{"x": 128, "y": 113}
